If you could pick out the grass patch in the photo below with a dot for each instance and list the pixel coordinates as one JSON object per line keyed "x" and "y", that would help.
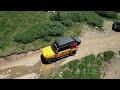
{"x": 108, "y": 14}
{"x": 88, "y": 16}
{"x": 25, "y": 26}
{"x": 13, "y": 23}
{"x": 74, "y": 30}
{"x": 79, "y": 16}
{"x": 67, "y": 22}
{"x": 39, "y": 31}
{"x": 86, "y": 68}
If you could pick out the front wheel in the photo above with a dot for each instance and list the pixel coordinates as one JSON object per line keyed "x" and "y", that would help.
{"x": 72, "y": 53}
{"x": 114, "y": 27}
{"x": 52, "y": 60}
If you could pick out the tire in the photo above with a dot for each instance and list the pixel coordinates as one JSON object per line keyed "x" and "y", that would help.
{"x": 72, "y": 53}
{"x": 114, "y": 27}
{"x": 52, "y": 60}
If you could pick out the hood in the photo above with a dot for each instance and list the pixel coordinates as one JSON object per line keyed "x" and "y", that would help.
{"x": 48, "y": 52}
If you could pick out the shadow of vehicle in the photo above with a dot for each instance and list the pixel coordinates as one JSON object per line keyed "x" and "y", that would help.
{"x": 116, "y": 30}
{"x": 46, "y": 62}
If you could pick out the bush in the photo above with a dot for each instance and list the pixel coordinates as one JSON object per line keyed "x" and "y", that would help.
{"x": 89, "y": 58}
{"x": 108, "y": 55}
{"x": 93, "y": 19}
{"x": 54, "y": 28}
{"x": 56, "y": 17}
{"x": 25, "y": 37}
{"x": 87, "y": 68}
{"x": 48, "y": 39}
{"x": 39, "y": 31}
{"x": 31, "y": 34}
{"x": 89, "y": 16}
{"x": 108, "y": 14}
{"x": 67, "y": 22}
{"x": 3, "y": 45}
{"x": 76, "y": 16}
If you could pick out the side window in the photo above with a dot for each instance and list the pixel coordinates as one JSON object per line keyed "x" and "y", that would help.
{"x": 63, "y": 48}
{"x": 60, "y": 49}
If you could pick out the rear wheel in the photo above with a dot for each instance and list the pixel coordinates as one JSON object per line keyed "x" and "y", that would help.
{"x": 52, "y": 60}
{"x": 72, "y": 53}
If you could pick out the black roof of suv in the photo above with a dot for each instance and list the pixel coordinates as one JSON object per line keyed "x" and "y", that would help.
{"x": 65, "y": 40}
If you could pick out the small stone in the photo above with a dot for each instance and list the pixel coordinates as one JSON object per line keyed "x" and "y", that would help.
{"x": 30, "y": 53}
{"x": 118, "y": 74}
{"x": 103, "y": 28}
{"x": 17, "y": 73}
{"x": 4, "y": 73}
{"x": 96, "y": 27}
{"x": 40, "y": 69}
{"x": 36, "y": 76}
{"x": 9, "y": 70}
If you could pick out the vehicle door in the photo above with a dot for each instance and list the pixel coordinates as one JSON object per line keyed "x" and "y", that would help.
{"x": 62, "y": 51}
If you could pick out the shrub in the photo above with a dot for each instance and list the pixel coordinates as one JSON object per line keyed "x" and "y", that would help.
{"x": 3, "y": 45}
{"x": 39, "y": 31}
{"x": 25, "y": 37}
{"x": 67, "y": 22}
{"x": 74, "y": 64}
{"x": 56, "y": 17}
{"x": 93, "y": 19}
{"x": 31, "y": 34}
{"x": 54, "y": 28}
{"x": 48, "y": 39}
{"x": 76, "y": 16}
{"x": 89, "y": 58}
{"x": 108, "y": 14}
{"x": 108, "y": 55}
{"x": 89, "y": 16}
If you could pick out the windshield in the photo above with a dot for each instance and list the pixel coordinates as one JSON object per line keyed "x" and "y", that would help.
{"x": 54, "y": 47}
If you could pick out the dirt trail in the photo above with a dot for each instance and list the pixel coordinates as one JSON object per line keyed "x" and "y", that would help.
{"x": 28, "y": 65}
{"x": 111, "y": 69}
{"x": 95, "y": 42}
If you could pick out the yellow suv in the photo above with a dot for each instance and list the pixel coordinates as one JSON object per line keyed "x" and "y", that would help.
{"x": 62, "y": 47}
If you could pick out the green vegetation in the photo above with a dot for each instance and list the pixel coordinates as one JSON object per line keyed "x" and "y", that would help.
{"x": 108, "y": 55}
{"x": 93, "y": 19}
{"x": 76, "y": 16}
{"x": 21, "y": 31}
{"x": 90, "y": 17}
{"x": 48, "y": 38}
{"x": 39, "y": 31}
{"x": 86, "y": 68}
{"x": 67, "y": 22}
{"x": 27, "y": 30}
{"x": 56, "y": 17}
{"x": 108, "y": 14}
{"x": 79, "y": 16}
